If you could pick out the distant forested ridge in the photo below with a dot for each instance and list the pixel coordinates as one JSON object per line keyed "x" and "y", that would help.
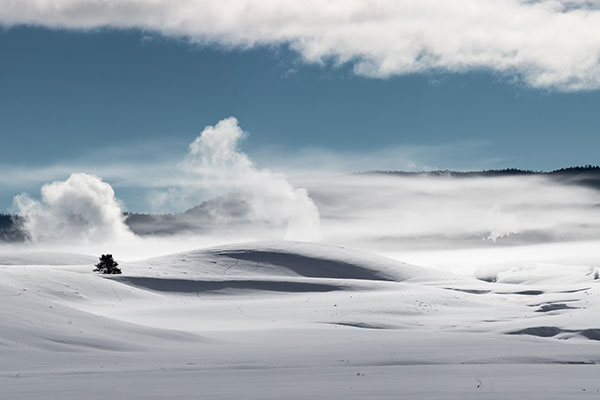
{"x": 587, "y": 175}
{"x": 10, "y": 230}
{"x": 586, "y": 169}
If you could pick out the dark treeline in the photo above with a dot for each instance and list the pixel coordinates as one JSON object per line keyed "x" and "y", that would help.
{"x": 586, "y": 175}
{"x": 586, "y": 169}
{"x": 9, "y": 229}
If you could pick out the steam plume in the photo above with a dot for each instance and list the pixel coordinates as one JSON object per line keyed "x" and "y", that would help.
{"x": 82, "y": 208}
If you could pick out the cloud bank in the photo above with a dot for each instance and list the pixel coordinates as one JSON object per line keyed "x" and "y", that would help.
{"x": 391, "y": 212}
{"x": 83, "y": 208}
{"x": 218, "y": 167}
{"x": 546, "y": 44}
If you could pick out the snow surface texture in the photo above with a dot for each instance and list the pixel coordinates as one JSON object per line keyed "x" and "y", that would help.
{"x": 291, "y": 320}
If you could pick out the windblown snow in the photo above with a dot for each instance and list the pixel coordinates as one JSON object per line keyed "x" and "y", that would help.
{"x": 273, "y": 320}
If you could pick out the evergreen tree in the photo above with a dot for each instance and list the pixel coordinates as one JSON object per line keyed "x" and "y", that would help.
{"x": 107, "y": 265}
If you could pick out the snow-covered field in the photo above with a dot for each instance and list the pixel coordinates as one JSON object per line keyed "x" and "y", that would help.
{"x": 273, "y": 320}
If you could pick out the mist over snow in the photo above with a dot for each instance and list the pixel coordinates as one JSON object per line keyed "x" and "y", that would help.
{"x": 461, "y": 224}
{"x": 467, "y": 225}
{"x": 82, "y": 209}
{"x": 215, "y": 166}
{"x": 382, "y": 207}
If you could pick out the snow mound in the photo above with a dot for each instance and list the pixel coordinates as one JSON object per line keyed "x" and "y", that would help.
{"x": 288, "y": 259}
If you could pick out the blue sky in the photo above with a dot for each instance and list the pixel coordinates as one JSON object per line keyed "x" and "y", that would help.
{"x": 88, "y": 99}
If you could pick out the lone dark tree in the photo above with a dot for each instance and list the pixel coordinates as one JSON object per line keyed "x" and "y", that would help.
{"x": 107, "y": 265}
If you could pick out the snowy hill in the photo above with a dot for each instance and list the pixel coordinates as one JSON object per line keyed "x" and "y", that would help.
{"x": 45, "y": 258}
{"x": 272, "y": 316}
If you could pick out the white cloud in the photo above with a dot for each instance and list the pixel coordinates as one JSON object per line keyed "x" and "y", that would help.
{"x": 547, "y": 44}
{"x": 83, "y": 208}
